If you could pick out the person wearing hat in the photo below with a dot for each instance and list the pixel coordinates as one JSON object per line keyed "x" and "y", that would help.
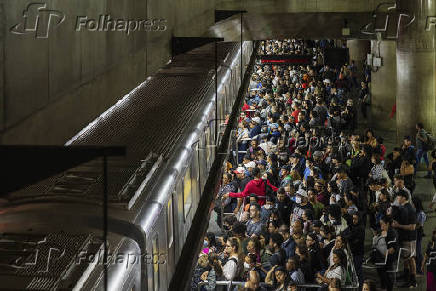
{"x": 241, "y": 179}
{"x": 255, "y": 128}
{"x": 301, "y": 205}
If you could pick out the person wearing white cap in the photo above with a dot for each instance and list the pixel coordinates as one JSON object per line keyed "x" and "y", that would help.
{"x": 301, "y": 204}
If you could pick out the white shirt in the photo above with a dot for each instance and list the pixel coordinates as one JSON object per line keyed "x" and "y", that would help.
{"x": 338, "y": 273}
{"x": 230, "y": 268}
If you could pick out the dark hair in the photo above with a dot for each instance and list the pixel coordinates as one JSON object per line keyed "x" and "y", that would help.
{"x": 314, "y": 237}
{"x": 342, "y": 257}
{"x": 418, "y": 204}
{"x": 214, "y": 262}
{"x": 256, "y": 243}
{"x": 403, "y": 194}
{"x": 309, "y": 214}
{"x": 277, "y": 238}
{"x": 371, "y": 284}
{"x": 256, "y": 172}
{"x": 234, "y": 242}
{"x": 335, "y": 211}
{"x": 253, "y": 257}
{"x": 274, "y": 223}
{"x": 239, "y": 228}
{"x": 257, "y": 206}
{"x": 211, "y": 237}
{"x": 303, "y": 249}
{"x": 230, "y": 220}
{"x": 386, "y": 219}
{"x": 420, "y": 125}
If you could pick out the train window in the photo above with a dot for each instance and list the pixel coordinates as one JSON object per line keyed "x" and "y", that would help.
{"x": 155, "y": 257}
{"x": 194, "y": 179}
{"x": 208, "y": 148}
{"x": 187, "y": 192}
{"x": 170, "y": 222}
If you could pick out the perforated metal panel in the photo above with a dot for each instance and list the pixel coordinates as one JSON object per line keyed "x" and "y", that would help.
{"x": 151, "y": 119}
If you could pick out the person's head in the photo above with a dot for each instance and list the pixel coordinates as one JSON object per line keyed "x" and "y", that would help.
{"x": 339, "y": 257}
{"x": 239, "y": 229}
{"x": 340, "y": 242}
{"x": 335, "y": 285}
{"x": 292, "y": 263}
{"x": 385, "y": 223}
{"x": 232, "y": 246}
{"x": 369, "y": 133}
{"x": 402, "y": 197}
{"x": 356, "y": 218}
{"x": 375, "y": 159}
{"x": 203, "y": 261}
{"x": 280, "y": 274}
{"x": 228, "y": 222}
{"x": 209, "y": 240}
{"x": 399, "y": 181}
{"x": 249, "y": 261}
{"x": 272, "y": 226}
{"x": 284, "y": 231}
{"x": 407, "y": 141}
{"x": 307, "y": 215}
{"x": 253, "y": 245}
{"x": 227, "y": 178}
{"x": 419, "y": 126}
{"x": 275, "y": 241}
{"x": 301, "y": 251}
{"x": 281, "y": 194}
{"x": 369, "y": 285}
{"x": 297, "y": 227}
{"x": 311, "y": 240}
{"x": 254, "y": 211}
{"x": 256, "y": 173}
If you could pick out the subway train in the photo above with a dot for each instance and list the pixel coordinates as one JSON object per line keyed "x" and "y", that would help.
{"x": 52, "y": 231}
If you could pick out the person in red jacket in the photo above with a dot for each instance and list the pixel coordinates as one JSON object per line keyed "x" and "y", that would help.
{"x": 256, "y": 186}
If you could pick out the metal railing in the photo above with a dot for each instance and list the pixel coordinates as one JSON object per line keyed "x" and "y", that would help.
{"x": 354, "y": 286}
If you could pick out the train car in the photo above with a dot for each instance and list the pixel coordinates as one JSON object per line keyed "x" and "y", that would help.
{"x": 52, "y": 232}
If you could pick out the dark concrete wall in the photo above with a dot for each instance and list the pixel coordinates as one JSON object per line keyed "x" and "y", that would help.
{"x": 51, "y": 88}
{"x": 384, "y": 86}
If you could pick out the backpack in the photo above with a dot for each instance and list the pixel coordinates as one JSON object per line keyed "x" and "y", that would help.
{"x": 429, "y": 143}
{"x": 239, "y": 270}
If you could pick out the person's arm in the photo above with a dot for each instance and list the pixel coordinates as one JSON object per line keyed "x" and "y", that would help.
{"x": 211, "y": 279}
{"x": 269, "y": 276}
{"x": 274, "y": 188}
{"x": 409, "y": 227}
{"x": 242, "y": 194}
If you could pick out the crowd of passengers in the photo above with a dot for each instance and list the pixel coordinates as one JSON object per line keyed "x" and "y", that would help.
{"x": 295, "y": 202}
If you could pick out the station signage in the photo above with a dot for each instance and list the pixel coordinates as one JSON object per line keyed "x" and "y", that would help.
{"x": 287, "y": 59}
